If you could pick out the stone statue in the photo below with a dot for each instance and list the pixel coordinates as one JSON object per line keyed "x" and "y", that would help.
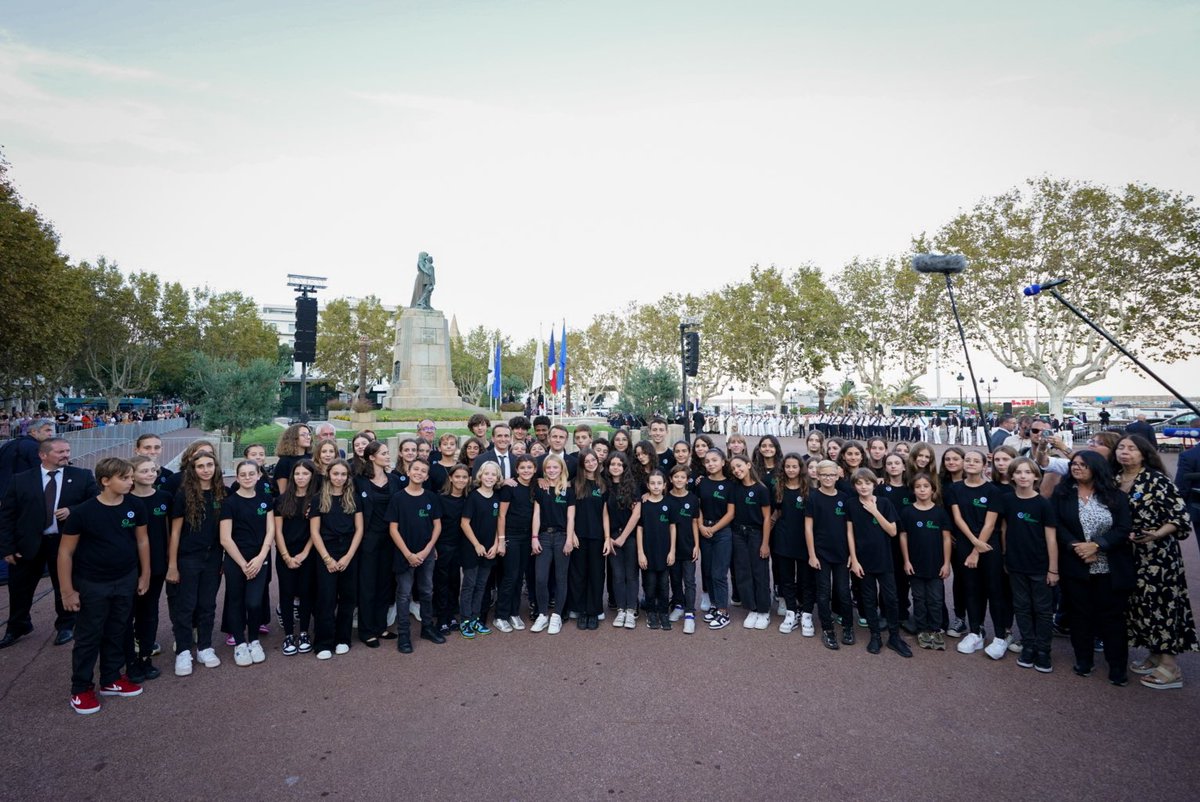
{"x": 423, "y": 286}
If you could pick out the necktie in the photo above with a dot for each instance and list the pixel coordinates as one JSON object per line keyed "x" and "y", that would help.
{"x": 51, "y": 498}
{"x": 504, "y": 465}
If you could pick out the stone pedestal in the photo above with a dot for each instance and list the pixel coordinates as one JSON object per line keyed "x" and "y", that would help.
{"x": 421, "y": 362}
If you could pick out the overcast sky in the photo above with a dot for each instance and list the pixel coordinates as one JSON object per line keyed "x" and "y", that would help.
{"x": 605, "y": 151}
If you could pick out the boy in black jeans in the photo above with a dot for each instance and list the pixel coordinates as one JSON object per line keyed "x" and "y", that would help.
{"x": 103, "y": 560}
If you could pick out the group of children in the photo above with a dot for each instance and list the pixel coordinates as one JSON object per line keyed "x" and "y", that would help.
{"x": 844, "y": 527}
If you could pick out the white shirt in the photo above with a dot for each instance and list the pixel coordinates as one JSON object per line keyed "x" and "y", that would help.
{"x": 58, "y": 484}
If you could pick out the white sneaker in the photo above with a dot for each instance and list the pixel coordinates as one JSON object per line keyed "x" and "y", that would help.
{"x": 600, "y": 616}
{"x": 241, "y": 655}
{"x": 676, "y": 614}
{"x": 619, "y": 618}
{"x": 414, "y": 609}
{"x": 502, "y": 625}
{"x": 789, "y": 622}
{"x": 391, "y": 615}
{"x": 1014, "y": 645}
{"x": 555, "y": 624}
{"x": 781, "y": 607}
{"x": 751, "y": 621}
{"x": 631, "y": 619}
{"x": 324, "y": 654}
{"x": 256, "y": 652}
{"x": 763, "y": 621}
{"x": 517, "y": 623}
{"x": 183, "y": 664}
{"x": 208, "y": 658}
{"x": 806, "y": 625}
{"x": 689, "y": 624}
{"x": 705, "y": 602}
{"x": 970, "y": 644}
{"x": 540, "y": 623}
{"x": 572, "y": 615}
{"x": 997, "y": 648}
{"x": 341, "y": 648}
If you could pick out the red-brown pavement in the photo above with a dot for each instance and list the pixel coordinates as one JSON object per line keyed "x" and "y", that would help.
{"x": 607, "y": 714}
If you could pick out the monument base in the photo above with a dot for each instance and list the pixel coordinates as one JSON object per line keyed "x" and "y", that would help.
{"x": 421, "y": 363}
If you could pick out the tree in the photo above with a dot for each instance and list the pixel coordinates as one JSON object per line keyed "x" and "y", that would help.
{"x": 602, "y": 354}
{"x": 228, "y": 326}
{"x": 846, "y": 396}
{"x": 907, "y": 393}
{"x": 235, "y": 397}
{"x": 341, "y": 326}
{"x": 890, "y": 313}
{"x": 1132, "y": 256}
{"x": 44, "y": 300}
{"x": 471, "y": 359}
{"x": 650, "y": 391}
{"x": 785, "y": 327}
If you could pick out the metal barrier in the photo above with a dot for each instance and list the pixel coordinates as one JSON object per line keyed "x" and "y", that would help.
{"x": 89, "y": 445}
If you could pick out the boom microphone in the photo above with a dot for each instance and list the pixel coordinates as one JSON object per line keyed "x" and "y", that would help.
{"x": 1173, "y": 431}
{"x": 944, "y": 263}
{"x": 1034, "y": 289}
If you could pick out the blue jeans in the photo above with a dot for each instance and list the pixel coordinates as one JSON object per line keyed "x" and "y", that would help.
{"x": 715, "y": 553}
{"x": 406, "y": 576}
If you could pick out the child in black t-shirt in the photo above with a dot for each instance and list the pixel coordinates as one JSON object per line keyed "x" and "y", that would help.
{"x": 656, "y": 550}
{"x": 247, "y": 528}
{"x": 872, "y": 527}
{"x": 414, "y": 517}
{"x": 336, "y": 526}
{"x": 103, "y": 560}
{"x": 143, "y": 625}
{"x": 685, "y": 513}
{"x": 1031, "y": 556}
{"x": 826, "y": 533}
{"x": 925, "y": 541}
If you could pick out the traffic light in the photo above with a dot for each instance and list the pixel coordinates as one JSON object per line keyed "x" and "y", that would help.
{"x": 691, "y": 353}
{"x": 306, "y": 330}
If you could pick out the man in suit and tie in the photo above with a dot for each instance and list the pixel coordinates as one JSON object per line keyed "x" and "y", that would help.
{"x": 21, "y": 453}
{"x": 499, "y": 453}
{"x": 34, "y": 506}
{"x": 1004, "y": 429}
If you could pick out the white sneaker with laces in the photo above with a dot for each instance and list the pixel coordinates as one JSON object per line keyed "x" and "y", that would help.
{"x": 970, "y": 644}
{"x": 676, "y": 614}
{"x": 631, "y": 619}
{"x": 241, "y": 655}
{"x": 806, "y": 625}
{"x": 555, "y": 624}
{"x": 341, "y": 648}
{"x": 183, "y": 664}
{"x": 997, "y": 648}
{"x": 781, "y": 607}
{"x": 502, "y": 625}
{"x": 619, "y": 618}
{"x": 1014, "y": 645}
{"x": 751, "y": 621}
{"x": 324, "y": 654}
{"x": 257, "y": 654}
{"x": 705, "y": 602}
{"x": 763, "y": 621}
{"x": 600, "y": 616}
{"x": 208, "y": 658}
{"x": 540, "y": 623}
{"x": 517, "y": 623}
{"x": 789, "y": 622}
{"x": 689, "y": 624}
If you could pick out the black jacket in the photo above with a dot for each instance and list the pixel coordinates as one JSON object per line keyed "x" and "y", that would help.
{"x": 23, "y": 511}
{"x": 1114, "y": 543}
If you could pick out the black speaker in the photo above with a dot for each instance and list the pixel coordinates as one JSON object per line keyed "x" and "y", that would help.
{"x": 305, "y": 349}
{"x": 1008, "y": 407}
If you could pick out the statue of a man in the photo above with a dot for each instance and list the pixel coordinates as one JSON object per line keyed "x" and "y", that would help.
{"x": 423, "y": 286}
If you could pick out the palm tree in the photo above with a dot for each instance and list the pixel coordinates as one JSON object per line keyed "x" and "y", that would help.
{"x": 846, "y": 397}
{"x": 908, "y": 392}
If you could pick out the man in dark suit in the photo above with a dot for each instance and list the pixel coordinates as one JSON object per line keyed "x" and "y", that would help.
{"x": 1140, "y": 426}
{"x": 21, "y": 453}
{"x": 1187, "y": 479}
{"x": 35, "y": 504}
{"x": 499, "y": 453}
{"x": 1004, "y": 429}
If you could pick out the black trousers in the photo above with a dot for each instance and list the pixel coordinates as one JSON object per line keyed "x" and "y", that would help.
{"x": 929, "y": 596}
{"x": 1033, "y": 605}
{"x": 23, "y": 580}
{"x": 752, "y": 572}
{"x": 586, "y": 577}
{"x": 298, "y": 583}
{"x": 192, "y": 602}
{"x": 833, "y": 578}
{"x": 447, "y": 582}
{"x": 986, "y": 593}
{"x": 104, "y": 608}
{"x": 877, "y": 587}
{"x": 797, "y": 583}
{"x": 143, "y": 620}
{"x": 243, "y": 602}
{"x": 902, "y": 584}
{"x": 1097, "y": 611}
{"x": 337, "y": 596}
{"x": 656, "y": 584}
{"x": 517, "y": 549}
{"x": 683, "y": 582}
{"x": 376, "y": 584}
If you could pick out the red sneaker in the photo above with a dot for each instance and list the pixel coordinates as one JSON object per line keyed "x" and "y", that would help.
{"x": 122, "y": 687}
{"x": 85, "y": 703}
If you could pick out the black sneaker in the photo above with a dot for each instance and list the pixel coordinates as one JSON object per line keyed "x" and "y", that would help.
{"x": 581, "y": 622}
{"x": 829, "y": 638}
{"x": 444, "y": 630}
{"x": 651, "y": 620}
{"x": 404, "y": 645}
{"x": 1026, "y": 658}
{"x": 848, "y": 636}
{"x": 593, "y": 622}
{"x": 875, "y": 644}
{"x": 1042, "y": 662}
{"x": 664, "y": 621}
{"x": 432, "y": 635}
{"x": 719, "y": 621}
{"x": 898, "y": 645}
{"x": 289, "y": 645}
{"x": 1082, "y": 671}
{"x": 134, "y": 672}
{"x": 302, "y": 644}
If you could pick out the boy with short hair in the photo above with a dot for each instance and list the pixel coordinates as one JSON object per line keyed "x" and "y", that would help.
{"x": 583, "y": 436}
{"x": 104, "y": 558}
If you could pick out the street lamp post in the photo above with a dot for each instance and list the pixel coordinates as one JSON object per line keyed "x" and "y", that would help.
{"x": 960, "y": 379}
{"x": 988, "y": 385}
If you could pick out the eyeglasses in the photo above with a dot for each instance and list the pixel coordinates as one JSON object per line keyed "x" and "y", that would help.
{"x": 827, "y": 475}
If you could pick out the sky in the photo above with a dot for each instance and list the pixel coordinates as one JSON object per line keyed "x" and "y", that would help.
{"x": 606, "y": 152}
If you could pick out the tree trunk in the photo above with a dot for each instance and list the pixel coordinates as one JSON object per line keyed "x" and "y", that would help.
{"x": 778, "y": 400}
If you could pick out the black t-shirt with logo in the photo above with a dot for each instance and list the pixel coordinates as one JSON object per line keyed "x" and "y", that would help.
{"x": 483, "y": 513}
{"x": 158, "y": 528}
{"x": 337, "y": 524}
{"x": 589, "y": 514}
{"x": 107, "y": 547}
{"x": 451, "y": 540}
{"x": 684, "y": 510}
{"x": 787, "y": 538}
{"x": 973, "y": 504}
{"x": 655, "y": 524}
{"x": 518, "y": 519}
{"x": 872, "y": 545}
{"x": 830, "y": 516}
{"x": 414, "y": 516}
{"x": 901, "y": 496}
{"x": 552, "y": 508}
{"x": 923, "y": 531}
{"x": 204, "y": 538}
{"x": 1025, "y": 522}
{"x": 296, "y": 532}
{"x": 714, "y": 495}
{"x": 748, "y": 503}
{"x": 249, "y": 517}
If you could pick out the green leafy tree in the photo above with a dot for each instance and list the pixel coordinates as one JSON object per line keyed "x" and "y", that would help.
{"x": 846, "y": 396}
{"x": 338, "y": 349}
{"x": 906, "y": 392}
{"x": 649, "y": 391}
{"x": 227, "y": 325}
{"x": 235, "y": 397}
{"x": 1132, "y": 254}
{"x": 471, "y": 359}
